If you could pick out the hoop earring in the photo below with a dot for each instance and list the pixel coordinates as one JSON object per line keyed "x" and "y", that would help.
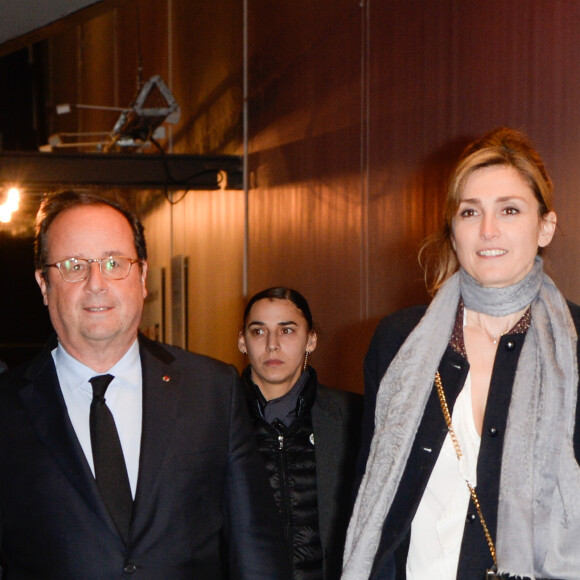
{"x": 305, "y": 361}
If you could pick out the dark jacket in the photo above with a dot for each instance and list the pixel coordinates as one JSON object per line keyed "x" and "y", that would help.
{"x": 311, "y": 472}
{"x": 201, "y": 491}
{"x": 474, "y": 557}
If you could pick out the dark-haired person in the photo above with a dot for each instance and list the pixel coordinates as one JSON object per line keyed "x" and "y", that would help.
{"x": 471, "y": 404}
{"x": 121, "y": 457}
{"x": 307, "y": 433}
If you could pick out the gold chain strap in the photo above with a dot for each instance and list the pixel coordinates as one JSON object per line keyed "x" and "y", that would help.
{"x": 447, "y": 417}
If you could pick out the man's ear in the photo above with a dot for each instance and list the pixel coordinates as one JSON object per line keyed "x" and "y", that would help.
{"x": 41, "y": 281}
{"x": 144, "y": 279}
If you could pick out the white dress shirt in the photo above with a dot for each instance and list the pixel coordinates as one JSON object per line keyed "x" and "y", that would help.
{"x": 437, "y": 528}
{"x": 124, "y": 397}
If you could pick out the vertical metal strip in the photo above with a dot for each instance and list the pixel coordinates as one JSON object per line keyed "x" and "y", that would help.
{"x": 170, "y": 67}
{"x": 364, "y": 159}
{"x": 246, "y": 179}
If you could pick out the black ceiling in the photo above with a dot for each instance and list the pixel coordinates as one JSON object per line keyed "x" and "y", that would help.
{"x": 23, "y": 22}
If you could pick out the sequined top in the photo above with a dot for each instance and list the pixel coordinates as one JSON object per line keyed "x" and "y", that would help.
{"x": 457, "y": 341}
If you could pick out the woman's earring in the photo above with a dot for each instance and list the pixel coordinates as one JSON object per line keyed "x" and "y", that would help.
{"x": 306, "y": 360}
{"x": 244, "y": 352}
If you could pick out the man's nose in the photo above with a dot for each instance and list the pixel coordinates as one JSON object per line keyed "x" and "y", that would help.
{"x": 95, "y": 279}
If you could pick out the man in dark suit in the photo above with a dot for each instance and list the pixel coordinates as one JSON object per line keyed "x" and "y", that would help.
{"x": 121, "y": 457}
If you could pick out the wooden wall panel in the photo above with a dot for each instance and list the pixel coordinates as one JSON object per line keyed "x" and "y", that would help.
{"x": 410, "y": 113}
{"x": 208, "y": 228}
{"x": 207, "y": 59}
{"x": 97, "y": 63}
{"x": 357, "y": 111}
{"x": 443, "y": 74}
{"x": 63, "y": 64}
{"x": 529, "y": 77}
{"x": 308, "y": 238}
{"x": 157, "y": 223}
{"x": 305, "y": 162}
{"x": 142, "y": 45}
{"x": 439, "y": 74}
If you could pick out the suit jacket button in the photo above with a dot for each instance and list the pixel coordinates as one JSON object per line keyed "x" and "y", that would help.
{"x": 471, "y": 518}
{"x": 492, "y": 432}
{"x": 510, "y": 345}
{"x": 130, "y": 568}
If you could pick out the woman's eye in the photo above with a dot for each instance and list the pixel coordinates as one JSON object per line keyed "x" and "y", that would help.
{"x": 511, "y": 210}
{"x": 287, "y": 330}
{"x": 466, "y": 213}
{"x": 257, "y": 331}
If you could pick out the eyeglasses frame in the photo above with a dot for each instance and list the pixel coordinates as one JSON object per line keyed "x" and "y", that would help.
{"x": 90, "y": 261}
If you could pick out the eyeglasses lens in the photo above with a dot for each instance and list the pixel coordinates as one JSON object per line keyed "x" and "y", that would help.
{"x": 77, "y": 269}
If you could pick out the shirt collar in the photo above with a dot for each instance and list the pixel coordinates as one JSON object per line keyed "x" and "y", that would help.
{"x": 128, "y": 368}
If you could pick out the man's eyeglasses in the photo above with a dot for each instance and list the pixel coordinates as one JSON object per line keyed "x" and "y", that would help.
{"x": 77, "y": 269}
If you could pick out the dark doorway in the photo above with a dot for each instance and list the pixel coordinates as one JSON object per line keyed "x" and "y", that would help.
{"x": 25, "y": 324}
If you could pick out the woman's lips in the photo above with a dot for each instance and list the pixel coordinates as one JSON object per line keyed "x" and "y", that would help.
{"x": 274, "y": 362}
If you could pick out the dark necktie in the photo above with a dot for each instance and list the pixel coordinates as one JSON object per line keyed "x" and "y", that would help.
{"x": 110, "y": 470}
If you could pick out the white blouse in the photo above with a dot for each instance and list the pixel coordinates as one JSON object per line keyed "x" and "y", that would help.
{"x": 437, "y": 528}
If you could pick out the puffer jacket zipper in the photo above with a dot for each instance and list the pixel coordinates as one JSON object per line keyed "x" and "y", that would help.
{"x": 283, "y": 467}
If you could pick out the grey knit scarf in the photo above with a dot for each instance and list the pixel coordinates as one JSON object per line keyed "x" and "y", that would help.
{"x": 539, "y": 503}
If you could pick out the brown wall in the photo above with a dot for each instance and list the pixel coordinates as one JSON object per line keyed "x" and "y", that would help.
{"x": 355, "y": 112}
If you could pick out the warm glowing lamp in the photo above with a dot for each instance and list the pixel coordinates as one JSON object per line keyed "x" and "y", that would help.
{"x": 10, "y": 205}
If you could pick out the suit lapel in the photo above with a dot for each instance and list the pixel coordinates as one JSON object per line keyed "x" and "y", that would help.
{"x": 42, "y": 397}
{"x": 161, "y": 393}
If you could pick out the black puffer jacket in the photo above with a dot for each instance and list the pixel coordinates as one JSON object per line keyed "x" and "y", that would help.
{"x": 291, "y": 466}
